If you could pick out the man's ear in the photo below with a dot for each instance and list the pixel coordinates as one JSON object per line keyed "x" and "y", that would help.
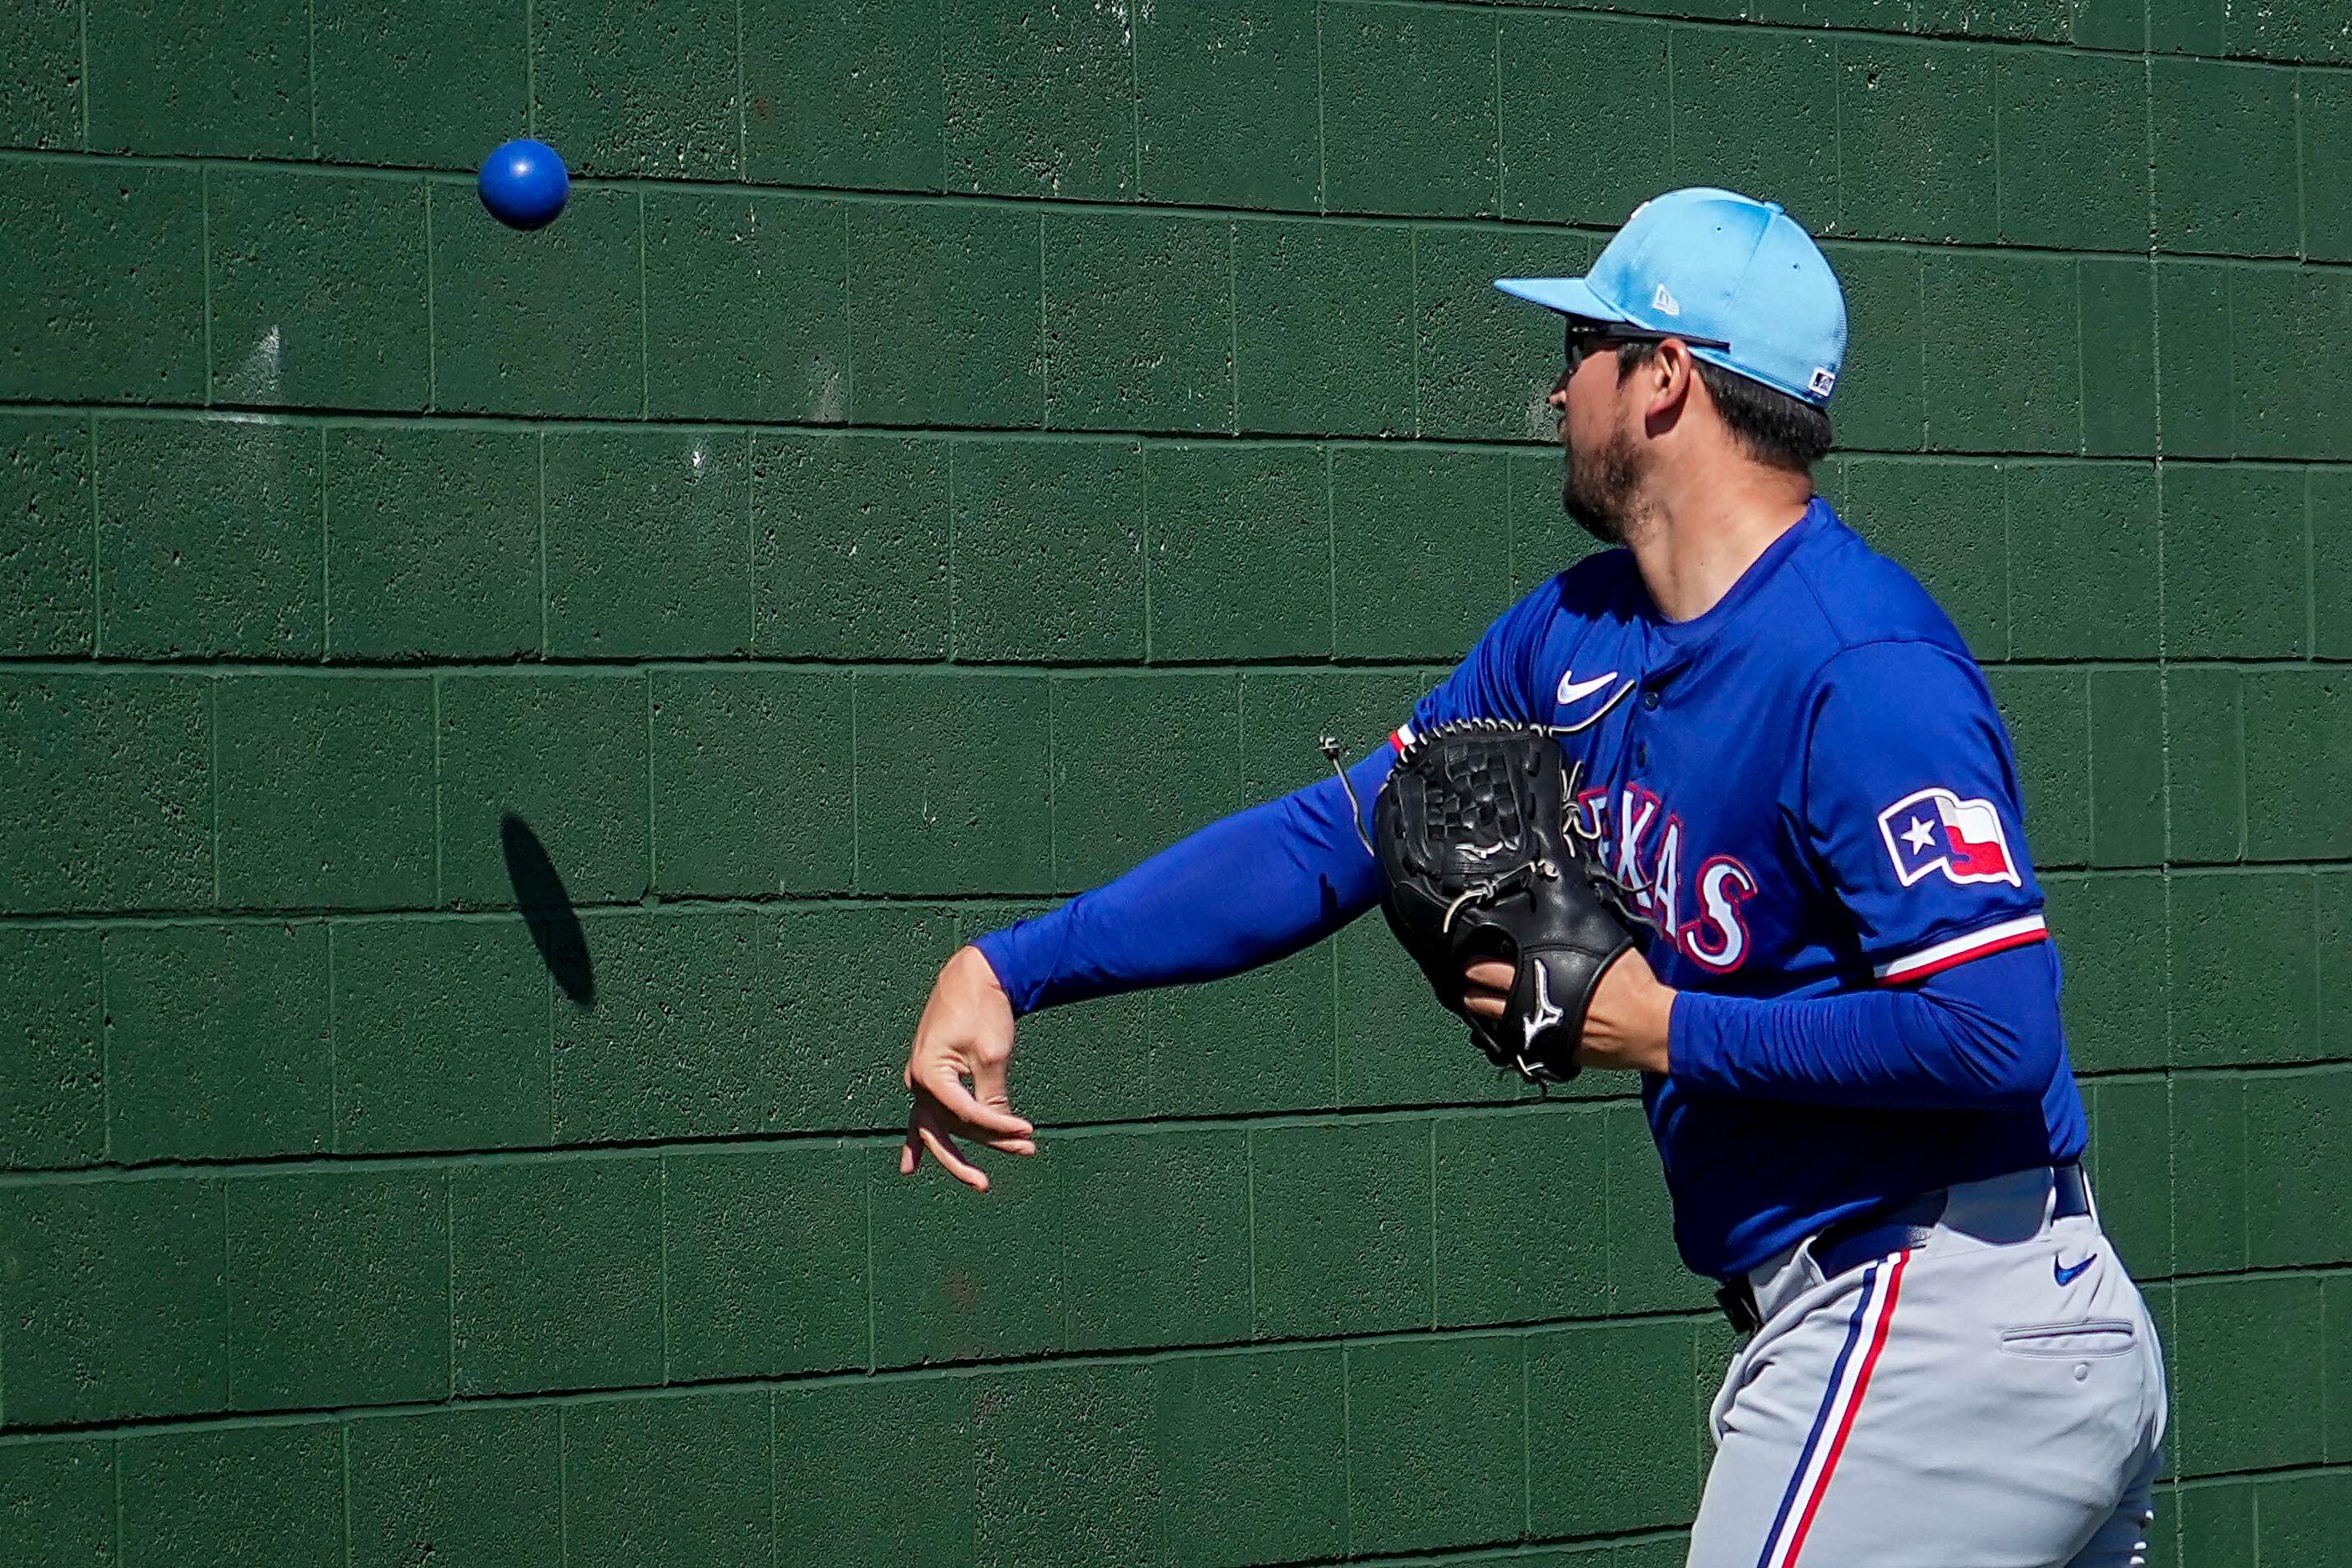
{"x": 1670, "y": 380}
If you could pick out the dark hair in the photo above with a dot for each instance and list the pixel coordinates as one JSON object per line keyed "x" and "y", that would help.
{"x": 1770, "y": 426}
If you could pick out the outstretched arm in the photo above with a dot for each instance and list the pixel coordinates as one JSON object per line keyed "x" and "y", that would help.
{"x": 1252, "y": 887}
{"x": 1240, "y": 892}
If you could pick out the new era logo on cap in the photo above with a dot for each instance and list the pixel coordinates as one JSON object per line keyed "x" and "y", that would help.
{"x": 1665, "y": 303}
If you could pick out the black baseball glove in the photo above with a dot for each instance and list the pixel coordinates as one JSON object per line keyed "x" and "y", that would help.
{"x": 1482, "y": 857}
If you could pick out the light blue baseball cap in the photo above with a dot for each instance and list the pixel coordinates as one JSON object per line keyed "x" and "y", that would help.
{"x": 1708, "y": 263}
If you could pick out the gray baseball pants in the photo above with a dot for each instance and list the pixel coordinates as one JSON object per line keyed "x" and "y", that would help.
{"x": 1992, "y": 1397}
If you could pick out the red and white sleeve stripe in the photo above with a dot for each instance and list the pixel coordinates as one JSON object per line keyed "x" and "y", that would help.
{"x": 1943, "y": 955}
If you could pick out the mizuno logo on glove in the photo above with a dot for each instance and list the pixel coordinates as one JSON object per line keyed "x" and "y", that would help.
{"x": 1547, "y": 1012}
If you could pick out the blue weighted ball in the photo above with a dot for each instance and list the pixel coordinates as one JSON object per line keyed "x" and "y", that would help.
{"x": 523, "y": 183}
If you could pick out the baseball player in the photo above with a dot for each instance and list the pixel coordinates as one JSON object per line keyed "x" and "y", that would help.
{"x": 1845, "y": 1005}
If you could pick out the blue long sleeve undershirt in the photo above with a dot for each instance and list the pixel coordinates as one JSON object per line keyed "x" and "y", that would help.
{"x": 1245, "y": 890}
{"x": 1260, "y": 885}
{"x": 1981, "y": 1034}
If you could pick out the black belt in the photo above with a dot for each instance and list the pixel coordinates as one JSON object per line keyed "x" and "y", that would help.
{"x": 1875, "y": 1232}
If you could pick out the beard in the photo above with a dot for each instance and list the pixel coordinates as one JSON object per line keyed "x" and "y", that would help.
{"x": 1599, "y": 490}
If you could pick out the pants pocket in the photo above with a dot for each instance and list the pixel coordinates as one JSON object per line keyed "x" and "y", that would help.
{"x": 2090, "y": 1337}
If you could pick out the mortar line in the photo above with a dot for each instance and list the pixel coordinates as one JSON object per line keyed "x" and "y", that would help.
{"x": 1045, "y": 339}
{"x": 653, "y": 820}
{"x": 334, "y": 1078}
{"x": 541, "y": 455}
{"x": 437, "y": 894}
{"x": 1671, "y": 34}
{"x": 233, "y": 412}
{"x": 2310, "y": 568}
{"x": 645, "y": 332}
{"x": 1434, "y": 1232}
{"x": 871, "y": 1359}
{"x": 2081, "y": 373}
{"x": 105, "y": 1067}
{"x": 742, "y": 118}
{"x": 85, "y": 92}
{"x": 849, "y": 323}
{"x": 1347, "y": 1416}
{"x": 1233, "y": 329}
{"x": 661, "y": 1178}
{"x": 432, "y": 321}
{"x": 562, "y": 1490}
{"x": 1322, "y": 183}
{"x": 563, "y": 1401}
{"x": 311, "y": 66}
{"x": 1527, "y": 1451}
{"x": 1144, "y": 492}
{"x": 1412, "y": 271}
{"x": 2238, "y": 703}
{"x": 97, "y": 550}
{"x": 2301, "y": 188}
{"x": 530, "y": 68}
{"x": 229, "y": 1300}
{"x": 1331, "y": 558}
{"x": 344, "y": 1442}
{"x": 1499, "y": 132}
{"x": 211, "y": 722}
{"x": 855, "y": 682}
{"x": 204, "y": 267}
{"x": 527, "y": 666}
{"x": 951, "y": 448}
{"x": 899, "y": 196}
{"x": 1332, "y": 975}
{"x": 1999, "y": 211}
{"x": 1052, "y": 796}
{"x": 449, "y": 1270}
{"x": 751, "y": 540}
{"x": 1249, "y": 1203}
{"x": 1135, "y": 90}
{"x": 326, "y": 560}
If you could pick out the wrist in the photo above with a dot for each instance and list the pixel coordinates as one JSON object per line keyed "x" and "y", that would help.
{"x": 1661, "y": 1031}
{"x": 969, "y": 965}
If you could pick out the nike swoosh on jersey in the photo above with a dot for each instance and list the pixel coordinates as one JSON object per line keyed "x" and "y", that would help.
{"x": 1571, "y": 688}
{"x": 2066, "y": 1275}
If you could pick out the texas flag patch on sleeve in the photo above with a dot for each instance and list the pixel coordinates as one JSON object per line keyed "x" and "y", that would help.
{"x": 1934, "y": 830}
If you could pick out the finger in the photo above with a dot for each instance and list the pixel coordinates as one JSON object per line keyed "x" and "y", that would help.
{"x": 1489, "y": 974}
{"x": 997, "y": 1141}
{"x": 1485, "y": 1005}
{"x": 910, "y": 1153}
{"x": 941, "y": 1082}
{"x": 945, "y": 1152}
{"x": 987, "y": 1084}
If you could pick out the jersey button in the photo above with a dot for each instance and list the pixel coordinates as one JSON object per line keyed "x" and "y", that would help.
{"x": 1650, "y": 697}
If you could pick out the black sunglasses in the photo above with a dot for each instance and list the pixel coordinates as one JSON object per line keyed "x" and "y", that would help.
{"x": 1584, "y": 335}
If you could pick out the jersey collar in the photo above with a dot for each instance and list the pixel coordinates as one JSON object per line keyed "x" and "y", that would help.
{"x": 1678, "y": 642}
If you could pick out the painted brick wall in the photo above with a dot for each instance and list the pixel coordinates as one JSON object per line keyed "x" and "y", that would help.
{"x": 943, "y": 452}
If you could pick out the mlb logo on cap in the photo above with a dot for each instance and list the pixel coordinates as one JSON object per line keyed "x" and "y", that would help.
{"x": 1935, "y": 830}
{"x": 1713, "y": 264}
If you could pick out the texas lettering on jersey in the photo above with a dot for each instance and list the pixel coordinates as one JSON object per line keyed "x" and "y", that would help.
{"x": 1643, "y": 842}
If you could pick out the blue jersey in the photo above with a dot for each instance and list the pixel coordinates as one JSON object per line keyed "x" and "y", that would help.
{"x": 1811, "y": 791}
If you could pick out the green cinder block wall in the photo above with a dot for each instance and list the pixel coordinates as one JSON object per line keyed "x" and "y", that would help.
{"x": 501, "y": 727}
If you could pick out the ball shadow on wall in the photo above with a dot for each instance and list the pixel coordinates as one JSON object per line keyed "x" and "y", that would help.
{"x": 547, "y": 910}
